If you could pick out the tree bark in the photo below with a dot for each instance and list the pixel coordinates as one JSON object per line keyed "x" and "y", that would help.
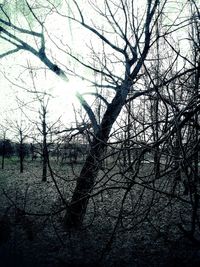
{"x": 77, "y": 208}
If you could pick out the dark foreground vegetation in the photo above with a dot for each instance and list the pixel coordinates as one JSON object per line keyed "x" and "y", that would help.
{"x": 136, "y": 227}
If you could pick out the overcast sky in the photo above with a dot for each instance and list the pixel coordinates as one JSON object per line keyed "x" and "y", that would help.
{"x": 14, "y": 68}
{"x": 14, "y": 77}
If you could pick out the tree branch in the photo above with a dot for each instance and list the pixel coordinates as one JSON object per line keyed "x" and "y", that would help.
{"x": 89, "y": 111}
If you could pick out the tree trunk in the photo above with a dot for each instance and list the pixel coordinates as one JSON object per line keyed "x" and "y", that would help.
{"x": 44, "y": 146}
{"x": 196, "y": 130}
{"x": 21, "y": 164}
{"x": 3, "y": 156}
{"x": 21, "y": 154}
{"x": 44, "y": 165}
{"x": 77, "y": 208}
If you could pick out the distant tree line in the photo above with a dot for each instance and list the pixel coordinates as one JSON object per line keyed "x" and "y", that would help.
{"x": 61, "y": 152}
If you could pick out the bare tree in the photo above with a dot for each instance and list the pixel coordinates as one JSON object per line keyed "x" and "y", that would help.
{"x": 44, "y": 131}
{"x": 126, "y": 43}
{"x": 20, "y": 129}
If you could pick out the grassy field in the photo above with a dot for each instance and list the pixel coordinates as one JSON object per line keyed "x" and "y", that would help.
{"x": 31, "y": 213}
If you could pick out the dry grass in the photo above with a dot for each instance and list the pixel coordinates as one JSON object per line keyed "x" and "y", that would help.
{"x": 147, "y": 233}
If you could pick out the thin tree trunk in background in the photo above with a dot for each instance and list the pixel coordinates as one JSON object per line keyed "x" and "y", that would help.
{"x": 196, "y": 59}
{"x": 44, "y": 148}
{"x": 129, "y": 133}
{"x": 3, "y": 156}
{"x": 156, "y": 103}
{"x": 196, "y": 130}
{"x": 21, "y": 160}
{"x": 21, "y": 153}
{"x": 44, "y": 165}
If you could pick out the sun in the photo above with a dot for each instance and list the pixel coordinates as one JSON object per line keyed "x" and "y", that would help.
{"x": 66, "y": 101}
{"x": 67, "y": 90}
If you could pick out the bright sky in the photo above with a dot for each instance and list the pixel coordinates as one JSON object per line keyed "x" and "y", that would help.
{"x": 15, "y": 67}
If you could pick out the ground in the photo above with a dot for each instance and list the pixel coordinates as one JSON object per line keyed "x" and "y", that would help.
{"x": 144, "y": 237}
